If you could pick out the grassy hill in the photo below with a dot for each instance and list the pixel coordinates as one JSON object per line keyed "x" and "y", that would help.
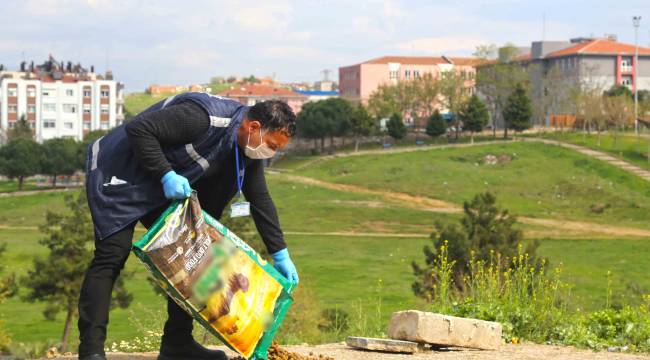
{"x": 349, "y": 246}
{"x": 134, "y": 103}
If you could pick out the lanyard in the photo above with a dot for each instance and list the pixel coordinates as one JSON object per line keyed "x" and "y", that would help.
{"x": 240, "y": 179}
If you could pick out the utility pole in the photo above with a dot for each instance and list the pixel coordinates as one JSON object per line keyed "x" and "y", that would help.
{"x": 636, "y": 20}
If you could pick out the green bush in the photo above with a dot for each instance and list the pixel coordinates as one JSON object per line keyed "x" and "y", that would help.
{"x": 484, "y": 230}
{"x": 534, "y": 305}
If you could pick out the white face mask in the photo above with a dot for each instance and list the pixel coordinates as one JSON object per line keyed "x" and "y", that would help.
{"x": 262, "y": 151}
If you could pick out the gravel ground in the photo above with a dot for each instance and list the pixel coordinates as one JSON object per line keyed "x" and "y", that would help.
{"x": 340, "y": 351}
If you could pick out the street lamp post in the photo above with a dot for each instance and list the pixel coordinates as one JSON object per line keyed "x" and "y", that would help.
{"x": 636, "y": 20}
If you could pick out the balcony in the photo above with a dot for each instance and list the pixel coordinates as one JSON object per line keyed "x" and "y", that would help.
{"x": 626, "y": 69}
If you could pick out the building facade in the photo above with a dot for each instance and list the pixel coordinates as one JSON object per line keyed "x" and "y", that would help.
{"x": 596, "y": 64}
{"x": 251, "y": 94}
{"x": 60, "y": 102}
{"x": 358, "y": 82}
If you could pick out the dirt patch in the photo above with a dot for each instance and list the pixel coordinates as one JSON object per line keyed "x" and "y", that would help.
{"x": 276, "y": 352}
{"x": 418, "y": 202}
{"x": 340, "y": 351}
{"x": 428, "y": 204}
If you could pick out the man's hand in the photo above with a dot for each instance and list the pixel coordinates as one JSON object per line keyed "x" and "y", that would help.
{"x": 282, "y": 262}
{"x": 175, "y": 186}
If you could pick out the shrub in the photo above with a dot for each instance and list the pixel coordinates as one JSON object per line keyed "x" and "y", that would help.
{"x": 533, "y": 304}
{"x": 484, "y": 230}
{"x": 436, "y": 125}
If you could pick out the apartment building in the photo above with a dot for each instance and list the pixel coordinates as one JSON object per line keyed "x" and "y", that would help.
{"x": 600, "y": 62}
{"x": 358, "y": 82}
{"x": 251, "y": 94}
{"x": 59, "y": 100}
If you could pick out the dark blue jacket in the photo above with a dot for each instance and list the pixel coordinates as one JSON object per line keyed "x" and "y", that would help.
{"x": 120, "y": 191}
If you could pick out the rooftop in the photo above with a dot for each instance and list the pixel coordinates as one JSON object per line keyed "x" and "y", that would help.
{"x": 599, "y": 47}
{"x": 425, "y": 60}
{"x": 317, "y": 92}
{"x": 259, "y": 91}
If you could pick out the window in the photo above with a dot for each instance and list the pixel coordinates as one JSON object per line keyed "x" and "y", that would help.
{"x": 12, "y": 124}
{"x": 12, "y": 92}
{"x": 86, "y": 108}
{"x": 86, "y": 93}
{"x": 68, "y": 125}
{"x": 627, "y": 81}
{"x": 12, "y": 108}
{"x": 626, "y": 65}
{"x": 393, "y": 74}
{"x": 104, "y": 108}
{"x": 31, "y": 92}
{"x": 407, "y": 74}
{"x": 86, "y": 126}
{"x": 49, "y": 123}
{"x": 49, "y": 107}
{"x": 69, "y": 92}
{"x": 31, "y": 108}
{"x": 104, "y": 93}
{"x": 31, "y": 125}
{"x": 103, "y": 126}
{"x": 45, "y": 92}
{"x": 416, "y": 74}
{"x": 70, "y": 108}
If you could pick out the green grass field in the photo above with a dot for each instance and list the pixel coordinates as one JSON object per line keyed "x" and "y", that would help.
{"x": 541, "y": 180}
{"x": 624, "y": 146}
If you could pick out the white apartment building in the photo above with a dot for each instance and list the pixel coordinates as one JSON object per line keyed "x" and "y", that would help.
{"x": 58, "y": 103}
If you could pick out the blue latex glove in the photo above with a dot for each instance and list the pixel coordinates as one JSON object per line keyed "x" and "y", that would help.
{"x": 175, "y": 186}
{"x": 282, "y": 262}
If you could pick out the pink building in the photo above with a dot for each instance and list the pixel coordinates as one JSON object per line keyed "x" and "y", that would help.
{"x": 357, "y": 82}
{"x": 251, "y": 94}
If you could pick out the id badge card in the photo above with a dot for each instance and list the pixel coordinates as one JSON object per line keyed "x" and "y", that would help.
{"x": 240, "y": 208}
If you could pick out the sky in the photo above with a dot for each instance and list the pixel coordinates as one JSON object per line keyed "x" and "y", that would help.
{"x": 183, "y": 42}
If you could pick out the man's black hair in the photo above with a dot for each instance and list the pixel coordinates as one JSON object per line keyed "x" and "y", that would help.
{"x": 274, "y": 115}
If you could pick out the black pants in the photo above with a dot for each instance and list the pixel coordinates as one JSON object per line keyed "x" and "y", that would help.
{"x": 95, "y": 299}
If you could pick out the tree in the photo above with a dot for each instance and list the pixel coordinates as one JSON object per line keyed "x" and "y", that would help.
{"x": 325, "y": 118}
{"x": 619, "y": 90}
{"x": 436, "y": 125}
{"x": 474, "y": 115}
{"x": 383, "y": 102}
{"x": 21, "y": 130}
{"x": 56, "y": 279}
{"x": 395, "y": 127}
{"x": 361, "y": 124}
{"x": 454, "y": 94}
{"x": 619, "y": 113}
{"x": 518, "y": 111}
{"x": 312, "y": 124}
{"x": 484, "y": 231}
{"x": 337, "y": 111}
{"x": 497, "y": 80}
{"x": 20, "y": 158}
{"x": 61, "y": 157}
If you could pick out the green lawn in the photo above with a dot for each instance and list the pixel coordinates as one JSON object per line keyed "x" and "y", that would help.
{"x": 623, "y": 147}
{"x": 134, "y": 103}
{"x": 541, "y": 180}
{"x": 343, "y": 270}
{"x": 12, "y": 185}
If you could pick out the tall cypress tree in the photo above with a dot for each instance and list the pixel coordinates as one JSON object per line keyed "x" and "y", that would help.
{"x": 436, "y": 125}
{"x": 518, "y": 110}
{"x": 474, "y": 115}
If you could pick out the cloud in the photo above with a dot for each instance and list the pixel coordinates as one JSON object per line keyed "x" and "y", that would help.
{"x": 366, "y": 27}
{"x": 440, "y": 45}
{"x": 393, "y": 10}
{"x": 292, "y": 52}
{"x": 270, "y": 15}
